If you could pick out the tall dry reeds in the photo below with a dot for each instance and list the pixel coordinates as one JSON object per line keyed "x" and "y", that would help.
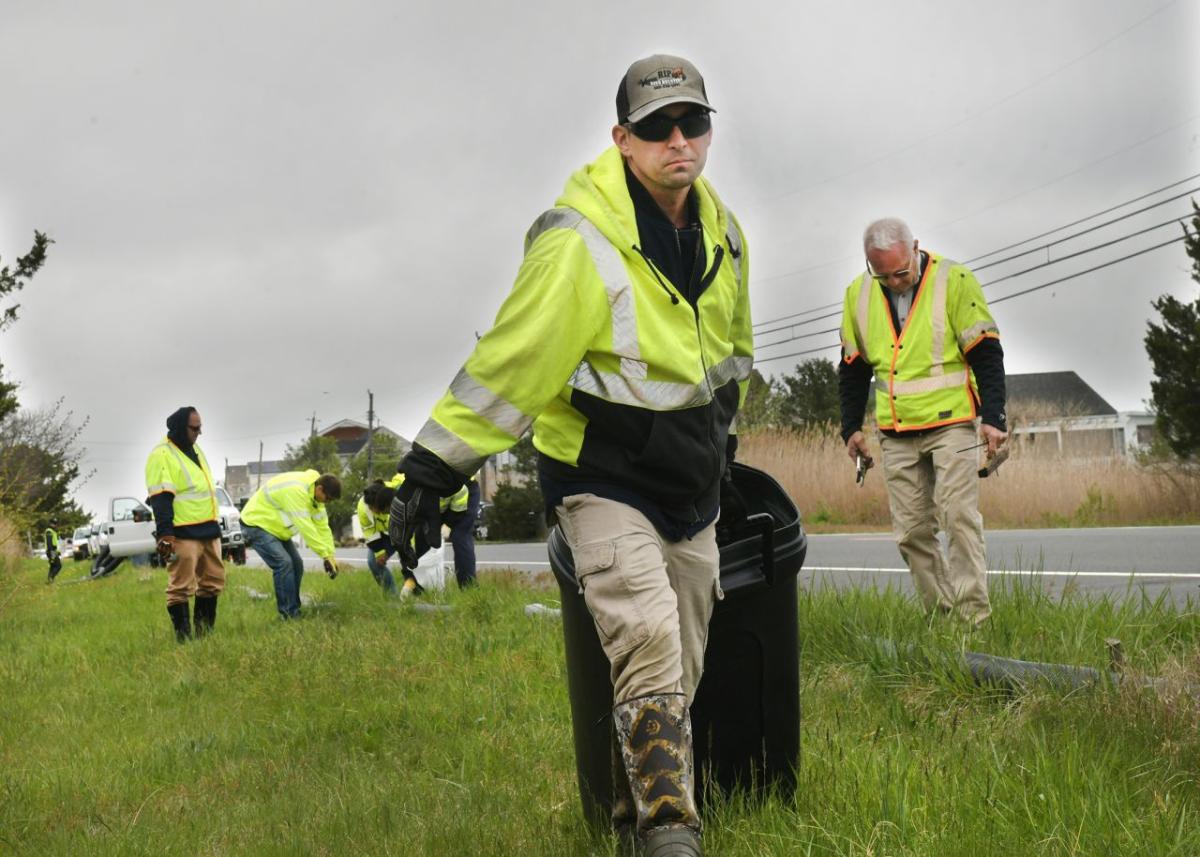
{"x": 1028, "y": 491}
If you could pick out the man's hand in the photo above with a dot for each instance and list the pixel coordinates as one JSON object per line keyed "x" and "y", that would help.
{"x": 856, "y": 445}
{"x": 993, "y": 437}
{"x": 415, "y": 511}
{"x": 331, "y": 567}
{"x": 165, "y": 548}
{"x": 381, "y": 557}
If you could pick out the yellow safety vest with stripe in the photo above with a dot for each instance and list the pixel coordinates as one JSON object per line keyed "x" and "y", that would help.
{"x": 287, "y": 506}
{"x": 169, "y": 470}
{"x": 622, "y": 378}
{"x": 375, "y": 524}
{"x": 51, "y": 538}
{"x": 922, "y": 379}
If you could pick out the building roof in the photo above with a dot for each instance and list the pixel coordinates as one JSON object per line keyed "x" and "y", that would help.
{"x": 1064, "y": 392}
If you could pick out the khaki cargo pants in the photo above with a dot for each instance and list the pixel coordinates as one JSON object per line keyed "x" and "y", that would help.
{"x": 933, "y": 486}
{"x": 197, "y": 570}
{"x": 651, "y": 599}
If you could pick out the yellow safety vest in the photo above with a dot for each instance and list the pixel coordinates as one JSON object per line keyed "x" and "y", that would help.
{"x": 593, "y": 340}
{"x": 286, "y": 506}
{"x": 168, "y": 470}
{"x": 922, "y": 379}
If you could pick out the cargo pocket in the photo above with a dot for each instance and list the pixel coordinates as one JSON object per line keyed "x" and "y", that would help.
{"x": 618, "y": 618}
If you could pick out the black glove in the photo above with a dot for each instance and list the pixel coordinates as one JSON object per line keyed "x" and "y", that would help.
{"x": 415, "y": 512}
{"x": 733, "y": 504}
{"x": 331, "y": 568}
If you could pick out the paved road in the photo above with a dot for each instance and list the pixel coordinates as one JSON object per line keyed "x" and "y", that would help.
{"x": 1098, "y": 561}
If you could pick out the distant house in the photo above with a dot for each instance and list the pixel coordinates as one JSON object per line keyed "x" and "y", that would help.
{"x": 351, "y": 437}
{"x": 1059, "y": 414}
{"x": 242, "y": 480}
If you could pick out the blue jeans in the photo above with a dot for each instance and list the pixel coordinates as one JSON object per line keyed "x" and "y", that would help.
{"x": 287, "y": 568}
{"x": 381, "y": 573}
{"x": 462, "y": 538}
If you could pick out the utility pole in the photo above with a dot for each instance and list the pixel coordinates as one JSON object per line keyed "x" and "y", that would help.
{"x": 370, "y": 436}
{"x": 312, "y": 429}
{"x": 259, "y": 485}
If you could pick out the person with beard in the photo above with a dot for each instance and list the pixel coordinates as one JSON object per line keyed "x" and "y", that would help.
{"x": 187, "y": 524}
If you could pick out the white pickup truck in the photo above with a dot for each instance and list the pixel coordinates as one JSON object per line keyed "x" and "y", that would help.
{"x": 129, "y": 530}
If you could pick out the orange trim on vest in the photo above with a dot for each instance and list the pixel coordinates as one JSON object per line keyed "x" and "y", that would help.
{"x": 980, "y": 339}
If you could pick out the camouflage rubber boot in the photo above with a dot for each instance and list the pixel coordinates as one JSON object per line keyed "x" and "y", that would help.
{"x": 624, "y": 813}
{"x": 655, "y": 734}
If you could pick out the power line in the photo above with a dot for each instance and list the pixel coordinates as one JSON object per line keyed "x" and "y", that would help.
{"x": 1088, "y": 271}
{"x": 1017, "y": 294}
{"x": 1085, "y": 231}
{"x": 971, "y": 261}
{"x": 980, "y": 112}
{"x": 1030, "y": 270}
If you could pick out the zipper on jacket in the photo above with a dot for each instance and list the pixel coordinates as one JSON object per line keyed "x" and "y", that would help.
{"x": 654, "y": 271}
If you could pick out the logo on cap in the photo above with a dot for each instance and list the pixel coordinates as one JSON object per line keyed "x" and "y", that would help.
{"x": 664, "y": 78}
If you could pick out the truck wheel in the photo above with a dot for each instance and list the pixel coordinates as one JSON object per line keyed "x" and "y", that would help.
{"x": 239, "y": 555}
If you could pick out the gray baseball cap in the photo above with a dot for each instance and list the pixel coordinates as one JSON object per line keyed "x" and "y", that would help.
{"x": 655, "y": 82}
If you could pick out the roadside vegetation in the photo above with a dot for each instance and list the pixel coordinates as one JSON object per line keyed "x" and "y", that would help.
{"x": 373, "y": 728}
{"x": 1028, "y": 491}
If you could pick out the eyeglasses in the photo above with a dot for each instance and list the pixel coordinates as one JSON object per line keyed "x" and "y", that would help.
{"x": 193, "y": 428}
{"x": 658, "y": 126}
{"x": 902, "y": 274}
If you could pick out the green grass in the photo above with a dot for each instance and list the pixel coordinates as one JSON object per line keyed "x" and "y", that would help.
{"x": 372, "y": 728}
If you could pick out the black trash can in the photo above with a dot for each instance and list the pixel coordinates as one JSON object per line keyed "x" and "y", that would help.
{"x": 746, "y": 714}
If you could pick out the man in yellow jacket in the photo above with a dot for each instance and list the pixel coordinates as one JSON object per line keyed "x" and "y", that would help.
{"x": 918, "y": 323}
{"x": 373, "y": 512}
{"x": 291, "y": 504}
{"x": 186, "y": 524}
{"x": 626, "y": 343}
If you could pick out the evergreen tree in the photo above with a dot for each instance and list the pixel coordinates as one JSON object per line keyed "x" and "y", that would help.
{"x": 1174, "y": 349}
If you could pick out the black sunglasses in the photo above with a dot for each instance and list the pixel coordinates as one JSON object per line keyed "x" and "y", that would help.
{"x": 658, "y": 126}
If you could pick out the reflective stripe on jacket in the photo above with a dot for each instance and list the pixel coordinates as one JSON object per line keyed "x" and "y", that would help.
{"x": 287, "y": 506}
{"x": 168, "y": 470}
{"x": 922, "y": 379}
{"x": 623, "y": 380}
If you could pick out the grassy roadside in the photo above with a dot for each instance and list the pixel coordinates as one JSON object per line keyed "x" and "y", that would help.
{"x": 1029, "y": 491}
{"x": 371, "y": 728}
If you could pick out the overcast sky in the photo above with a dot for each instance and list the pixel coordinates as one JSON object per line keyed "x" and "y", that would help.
{"x": 265, "y": 209}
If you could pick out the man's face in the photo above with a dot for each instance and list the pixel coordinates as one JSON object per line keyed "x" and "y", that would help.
{"x": 898, "y": 267}
{"x": 671, "y": 164}
{"x": 193, "y": 427}
{"x": 319, "y": 494}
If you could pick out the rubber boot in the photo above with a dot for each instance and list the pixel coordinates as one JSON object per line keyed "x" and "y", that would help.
{"x": 624, "y": 813}
{"x": 655, "y": 736}
{"x": 179, "y": 618}
{"x": 204, "y": 614}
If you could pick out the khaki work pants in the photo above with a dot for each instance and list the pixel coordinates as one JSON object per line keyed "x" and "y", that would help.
{"x": 198, "y": 570}
{"x": 651, "y": 599}
{"x": 933, "y": 486}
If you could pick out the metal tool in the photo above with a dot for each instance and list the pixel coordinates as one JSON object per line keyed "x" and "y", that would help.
{"x": 860, "y": 475}
{"x": 994, "y": 463}
{"x": 976, "y": 446}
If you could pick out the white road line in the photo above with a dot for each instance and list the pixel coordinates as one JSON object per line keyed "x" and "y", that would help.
{"x": 1026, "y": 573}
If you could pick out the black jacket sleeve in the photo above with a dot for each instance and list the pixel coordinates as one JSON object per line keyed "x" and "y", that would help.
{"x": 425, "y": 468}
{"x": 381, "y": 543}
{"x": 854, "y": 388}
{"x": 986, "y": 360}
{"x": 163, "y": 506}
